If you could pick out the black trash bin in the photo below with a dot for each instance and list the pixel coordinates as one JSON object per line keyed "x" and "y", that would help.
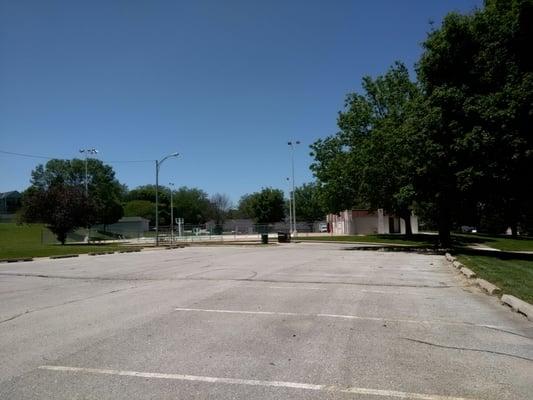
{"x": 264, "y": 238}
{"x": 284, "y": 237}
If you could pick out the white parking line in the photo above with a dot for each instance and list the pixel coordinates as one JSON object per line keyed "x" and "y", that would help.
{"x": 255, "y": 382}
{"x": 296, "y": 287}
{"x": 340, "y": 316}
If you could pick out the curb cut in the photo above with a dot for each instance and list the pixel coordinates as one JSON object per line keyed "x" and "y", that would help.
{"x": 518, "y": 305}
{"x": 488, "y": 287}
{"x": 64, "y": 256}
{"x": 467, "y": 272}
{"x": 13, "y": 260}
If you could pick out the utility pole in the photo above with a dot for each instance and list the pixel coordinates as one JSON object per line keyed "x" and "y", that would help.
{"x": 290, "y": 205}
{"x": 171, "y": 214}
{"x": 86, "y": 152}
{"x": 292, "y": 144}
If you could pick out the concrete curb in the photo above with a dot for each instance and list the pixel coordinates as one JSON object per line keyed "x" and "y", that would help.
{"x": 63, "y": 256}
{"x": 467, "y": 272}
{"x": 12, "y": 260}
{"x": 514, "y": 302}
{"x": 449, "y": 257}
{"x": 518, "y": 305}
{"x": 488, "y": 287}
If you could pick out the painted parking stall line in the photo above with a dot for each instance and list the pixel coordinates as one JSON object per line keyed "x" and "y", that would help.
{"x": 340, "y": 316}
{"x": 254, "y": 382}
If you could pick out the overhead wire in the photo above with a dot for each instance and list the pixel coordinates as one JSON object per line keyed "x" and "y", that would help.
{"x": 64, "y": 158}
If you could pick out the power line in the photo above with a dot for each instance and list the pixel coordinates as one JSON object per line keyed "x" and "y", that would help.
{"x": 25, "y": 155}
{"x": 52, "y": 158}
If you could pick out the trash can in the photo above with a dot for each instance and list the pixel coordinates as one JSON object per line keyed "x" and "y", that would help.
{"x": 264, "y": 238}
{"x": 284, "y": 237}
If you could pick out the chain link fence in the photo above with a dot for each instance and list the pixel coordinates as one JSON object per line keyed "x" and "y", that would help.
{"x": 184, "y": 233}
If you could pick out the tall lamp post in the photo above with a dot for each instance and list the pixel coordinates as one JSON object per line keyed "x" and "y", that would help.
{"x": 171, "y": 213}
{"x": 86, "y": 152}
{"x": 291, "y": 145}
{"x": 290, "y": 205}
{"x": 157, "y": 165}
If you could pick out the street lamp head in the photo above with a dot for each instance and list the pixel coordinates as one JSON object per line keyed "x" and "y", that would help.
{"x": 297, "y": 142}
{"x": 175, "y": 154}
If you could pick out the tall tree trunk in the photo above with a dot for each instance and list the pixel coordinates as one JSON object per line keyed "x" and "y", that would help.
{"x": 445, "y": 239}
{"x": 406, "y": 216}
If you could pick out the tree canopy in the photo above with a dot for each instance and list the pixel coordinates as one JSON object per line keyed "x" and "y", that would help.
{"x": 368, "y": 162}
{"x": 104, "y": 190}
{"x": 61, "y": 207}
{"x": 457, "y": 145}
{"x": 264, "y": 207}
{"x": 308, "y": 205}
{"x": 477, "y": 77}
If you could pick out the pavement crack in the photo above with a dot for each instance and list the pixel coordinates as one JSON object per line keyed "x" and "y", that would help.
{"x": 506, "y": 331}
{"x": 63, "y": 304}
{"x": 466, "y": 349}
{"x": 249, "y": 279}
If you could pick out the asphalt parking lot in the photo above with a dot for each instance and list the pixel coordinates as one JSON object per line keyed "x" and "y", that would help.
{"x": 299, "y": 321}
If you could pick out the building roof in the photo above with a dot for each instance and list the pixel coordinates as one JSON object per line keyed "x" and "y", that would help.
{"x": 12, "y": 193}
{"x": 132, "y": 219}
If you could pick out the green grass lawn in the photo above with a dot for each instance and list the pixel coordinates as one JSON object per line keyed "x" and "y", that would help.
{"x": 416, "y": 240}
{"x": 513, "y": 276}
{"x": 18, "y": 241}
{"x": 501, "y": 242}
{"x": 504, "y": 243}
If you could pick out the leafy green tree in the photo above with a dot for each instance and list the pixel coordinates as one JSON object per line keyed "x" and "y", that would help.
{"x": 191, "y": 204}
{"x": 63, "y": 208}
{"x": 475, "y": 131}
{"x": 308, "y": 203}
{"x": 105, "y": 191}
{"x": 265, "y": 206}
{"x": 140, "y": 208}
{"x": 220, "y": 205}
{"x": 369, "y": 162}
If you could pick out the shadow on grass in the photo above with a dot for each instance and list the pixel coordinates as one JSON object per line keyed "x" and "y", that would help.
{"x": 501, "y": 255}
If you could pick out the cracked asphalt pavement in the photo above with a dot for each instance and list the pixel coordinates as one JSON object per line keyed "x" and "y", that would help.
{"x": 299, "y": 321}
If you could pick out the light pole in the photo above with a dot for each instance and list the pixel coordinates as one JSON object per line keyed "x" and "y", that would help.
{"x": 292, "y": 144}
{"x": 157, "y": 165}
{"x": 290, "y": 205}
{"x": 171, "y": 214}
{"x": 86, "y": 152}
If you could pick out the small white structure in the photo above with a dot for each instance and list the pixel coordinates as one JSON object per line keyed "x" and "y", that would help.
{"x": 365, "y": 222}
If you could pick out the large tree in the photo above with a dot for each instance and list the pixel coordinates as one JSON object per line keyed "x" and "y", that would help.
{"x": 63, "y": 208}
{"x": 477, "y": 151}
{"x": 191, "y": 204}
{"x": 264, "y": 207}
{"x": 368, "y": 162}
{"x": 104, "y": 190}
{"x": 220, "y": 206}
{"x": 308, "y": 204}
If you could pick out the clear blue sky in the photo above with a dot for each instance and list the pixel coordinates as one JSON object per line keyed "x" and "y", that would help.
{"x": 225, "y": 83}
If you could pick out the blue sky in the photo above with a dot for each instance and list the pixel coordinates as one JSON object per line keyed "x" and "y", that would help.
{"x": 225, "y": 83}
